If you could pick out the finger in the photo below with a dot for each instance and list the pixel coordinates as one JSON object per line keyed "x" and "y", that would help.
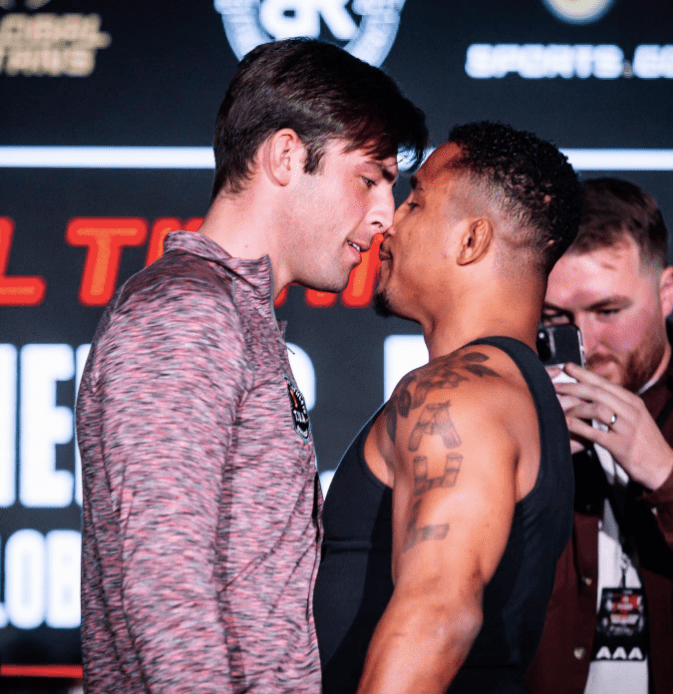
{"x": 590, "y": 393}
{"x": 568, "y": 402}
{"x": 576, "y": 446}
{"x": 586, "y": 377}
{"x": 580, "y": 429}
{"x": 598, "y": 412}
{"x": 553, "y": 371}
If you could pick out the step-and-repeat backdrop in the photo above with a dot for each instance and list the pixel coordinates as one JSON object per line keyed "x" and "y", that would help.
{"x": 106, "y": 117}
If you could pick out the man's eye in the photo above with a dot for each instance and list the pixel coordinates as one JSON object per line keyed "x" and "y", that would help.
{"x": 369, "y": 182}
{"x": 554, "y": 319}
{"x": 608, "y": 311}
{"x": 411, "y": 204}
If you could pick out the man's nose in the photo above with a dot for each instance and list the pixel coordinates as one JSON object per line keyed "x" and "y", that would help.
{"x": 383, "y": 212}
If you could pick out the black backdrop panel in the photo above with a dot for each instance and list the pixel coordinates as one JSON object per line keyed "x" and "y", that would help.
{"x": 76, "y": 73}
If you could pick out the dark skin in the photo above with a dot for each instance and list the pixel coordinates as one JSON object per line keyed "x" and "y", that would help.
{"x": 458, "y": 441}
{"x": 458, "y": 462}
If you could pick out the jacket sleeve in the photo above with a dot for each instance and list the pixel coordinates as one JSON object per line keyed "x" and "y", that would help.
{"x": 660, "y": 502}
{"x": 170, "y": 371}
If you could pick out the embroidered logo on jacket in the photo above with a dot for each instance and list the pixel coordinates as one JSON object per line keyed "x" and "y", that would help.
{"x": 300, "y": 418}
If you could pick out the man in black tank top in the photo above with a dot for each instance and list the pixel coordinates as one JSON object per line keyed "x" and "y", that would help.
{"x": 447, "y": 515}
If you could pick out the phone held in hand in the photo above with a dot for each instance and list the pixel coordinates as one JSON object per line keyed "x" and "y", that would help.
{"x": 559, "y": 344}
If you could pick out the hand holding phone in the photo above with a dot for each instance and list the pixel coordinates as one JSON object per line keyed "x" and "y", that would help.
{"x": 559, "y": 344}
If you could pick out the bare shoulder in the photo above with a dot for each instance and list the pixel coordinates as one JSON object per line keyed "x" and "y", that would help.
{"x": 478, "y": 379}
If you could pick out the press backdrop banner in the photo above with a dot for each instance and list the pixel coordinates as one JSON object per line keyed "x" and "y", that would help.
{"x": 106, "y": 120}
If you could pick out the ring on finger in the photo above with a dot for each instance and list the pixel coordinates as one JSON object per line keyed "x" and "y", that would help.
{"x": 613, "y": 420}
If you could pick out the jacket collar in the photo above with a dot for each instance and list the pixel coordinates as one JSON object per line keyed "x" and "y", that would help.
{"x": 256, "y": 272}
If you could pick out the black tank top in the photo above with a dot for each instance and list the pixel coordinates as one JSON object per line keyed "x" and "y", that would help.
{"x": 355, "y": 584}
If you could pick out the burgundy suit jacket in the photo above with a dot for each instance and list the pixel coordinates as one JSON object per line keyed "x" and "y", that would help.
{"x": 562, "y": 662}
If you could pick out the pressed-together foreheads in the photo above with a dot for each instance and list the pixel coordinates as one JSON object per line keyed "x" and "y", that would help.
{"x": 529, "y": 179}
{"x": 613, "y": 208}
{"x": 321, "y": 92}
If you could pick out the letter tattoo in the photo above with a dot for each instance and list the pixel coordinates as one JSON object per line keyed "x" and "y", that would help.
{"x": 444, "y": 372}
{"x": 433, "y": 420}
{"x": 423, "y": 483}
{"x": 425, "y": 533}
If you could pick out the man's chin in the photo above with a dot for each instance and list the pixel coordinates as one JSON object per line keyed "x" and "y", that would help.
{"x": 615, "y": 373}
{"x": 382, "y": 305}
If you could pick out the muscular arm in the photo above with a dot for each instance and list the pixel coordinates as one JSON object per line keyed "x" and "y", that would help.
{"x": 453, "y": 502}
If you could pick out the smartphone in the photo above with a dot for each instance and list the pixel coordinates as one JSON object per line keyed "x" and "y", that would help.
{"x": 559, "y": 344}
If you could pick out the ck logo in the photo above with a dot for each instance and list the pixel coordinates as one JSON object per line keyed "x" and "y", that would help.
{"x": 367, "y": 30}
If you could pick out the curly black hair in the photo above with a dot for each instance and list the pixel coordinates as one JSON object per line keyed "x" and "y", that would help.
{"x": 530, "y": 179}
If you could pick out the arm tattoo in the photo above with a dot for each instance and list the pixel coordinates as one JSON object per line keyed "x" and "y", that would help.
{"x": 427, "y": 532}
{"x": 433, "y": 420}
{"x": 446, "y": 372}
{"x": 423, "y": 483}
{"x": 399, "y": 403}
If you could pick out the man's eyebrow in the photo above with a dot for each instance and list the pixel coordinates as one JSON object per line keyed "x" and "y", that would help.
{"x": 546, "y": 306}
{"x": 388, "y": 174}
{"x": 616, "y": 300}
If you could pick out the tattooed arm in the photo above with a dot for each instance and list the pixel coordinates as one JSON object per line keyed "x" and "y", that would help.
{"x": 453, "y": 461}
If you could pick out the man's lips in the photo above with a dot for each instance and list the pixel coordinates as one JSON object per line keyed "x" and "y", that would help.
{"x": 599, "y": 363}
{"x": 384, "y": 254}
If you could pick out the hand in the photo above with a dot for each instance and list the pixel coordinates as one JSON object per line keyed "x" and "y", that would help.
{"x": 632, "y": 436}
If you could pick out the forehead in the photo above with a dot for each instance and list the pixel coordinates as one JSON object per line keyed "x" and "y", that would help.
{"x": 435, "y": 170}
{"x": 339, "y": 150}
{"x": 578, "y": 279}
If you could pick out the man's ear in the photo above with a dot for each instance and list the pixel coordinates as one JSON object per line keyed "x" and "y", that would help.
{"x": 475, "y": 241}
{"x": 284, "y": 155}
{"x": 666, "y": 290}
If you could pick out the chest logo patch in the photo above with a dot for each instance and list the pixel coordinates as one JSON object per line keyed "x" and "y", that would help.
{"x": 300, "y": 419}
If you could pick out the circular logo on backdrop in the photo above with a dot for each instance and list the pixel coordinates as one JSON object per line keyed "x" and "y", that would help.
{"x": 578, "y": 11}
{"x": 366, "y": 30}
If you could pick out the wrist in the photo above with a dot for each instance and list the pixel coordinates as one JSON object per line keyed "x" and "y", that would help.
{"x": 658, "y": 474}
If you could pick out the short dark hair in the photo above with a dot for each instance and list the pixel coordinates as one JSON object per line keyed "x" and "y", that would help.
{"x": 322, "y": 93}
{"x": 531, "y": 180}
{"x": 613, "y": 208}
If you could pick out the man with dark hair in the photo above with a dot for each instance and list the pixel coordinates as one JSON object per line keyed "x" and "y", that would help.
{"x": 446, "y": 517}
{"x": 324, "y": 95}
{"x": 201, "y": 504}
{"x": 609, "y": 626}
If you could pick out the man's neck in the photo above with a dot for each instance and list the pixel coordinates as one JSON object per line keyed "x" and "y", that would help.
{"x": 245, "y": 226}
{"x": 497, "y": 304}
{"x": 448, "y": 336}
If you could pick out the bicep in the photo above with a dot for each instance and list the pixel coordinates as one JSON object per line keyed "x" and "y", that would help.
{"x": 453, "y": 499}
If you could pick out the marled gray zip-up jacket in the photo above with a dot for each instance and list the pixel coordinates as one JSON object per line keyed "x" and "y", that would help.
{"x": 201, "y": 504}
